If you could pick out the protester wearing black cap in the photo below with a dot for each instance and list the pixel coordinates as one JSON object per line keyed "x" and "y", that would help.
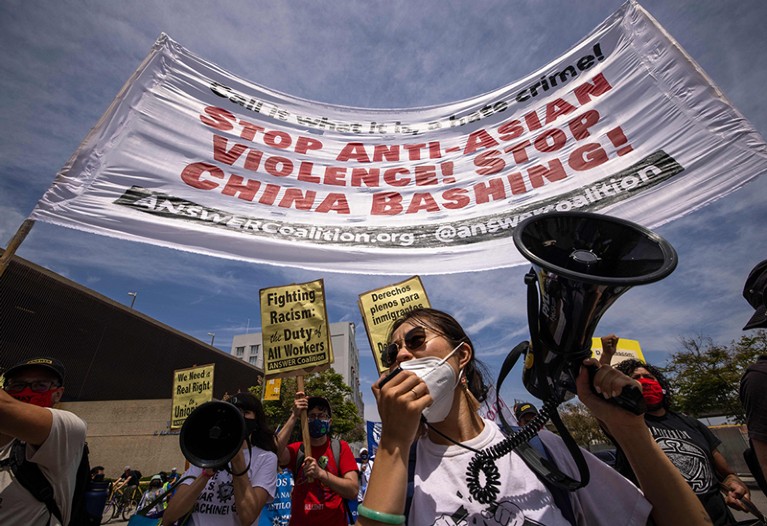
{"x": 51, "y": 438}
{"x": 524, "y": 412}
{"x": 324, "y": 478}
{"x": 753, "y": 385}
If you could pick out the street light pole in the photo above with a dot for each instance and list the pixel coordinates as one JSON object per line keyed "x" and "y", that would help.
{"x": 212, "y": 337}
{"x": 133, "y": 298}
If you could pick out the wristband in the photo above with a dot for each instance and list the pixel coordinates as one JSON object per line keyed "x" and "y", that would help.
{"x": 386, "y": 518}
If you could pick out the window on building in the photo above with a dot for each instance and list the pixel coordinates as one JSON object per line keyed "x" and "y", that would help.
{"x": 253, "y": 360}
{"x": 254, "y": 349}
{"x": 239, "y": 351}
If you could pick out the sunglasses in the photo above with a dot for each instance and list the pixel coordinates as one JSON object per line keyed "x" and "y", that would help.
{"x": 414, "y": 339}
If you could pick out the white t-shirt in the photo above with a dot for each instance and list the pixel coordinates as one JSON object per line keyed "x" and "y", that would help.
{"x": 364, "y": 478}
{"x": 58, "y": 458}
{"x": 441, "y": 494}
{"x": 215, "y": 505}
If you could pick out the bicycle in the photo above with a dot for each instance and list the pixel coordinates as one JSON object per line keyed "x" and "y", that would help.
{"x": 122, "y": 503}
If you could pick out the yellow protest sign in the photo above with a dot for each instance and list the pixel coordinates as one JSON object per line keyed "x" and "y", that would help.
{"x": 191, "y": 387}
{"x": 627, "y": 349}
{"x": 272, "y": 389}
{"x": 294, "y": 327}
{"x": 380, "y": 307}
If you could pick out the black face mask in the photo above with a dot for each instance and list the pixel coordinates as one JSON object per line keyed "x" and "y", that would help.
{"x": 251, "y": 426}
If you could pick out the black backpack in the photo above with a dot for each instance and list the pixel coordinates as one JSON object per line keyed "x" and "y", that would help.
{"x": 28, "y": 474}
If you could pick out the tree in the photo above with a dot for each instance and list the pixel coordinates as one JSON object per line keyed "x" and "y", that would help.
{"x": 347, "y": 422}
{"x": 582, "y": 425}
{"x": 705, "y": 377}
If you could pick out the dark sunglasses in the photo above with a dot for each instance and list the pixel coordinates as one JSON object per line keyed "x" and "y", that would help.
{"x": 414, "y": 339}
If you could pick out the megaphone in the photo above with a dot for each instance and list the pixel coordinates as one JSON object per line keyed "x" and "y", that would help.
{"x": 212, "y": 434}
{"x": 582, "y": 262}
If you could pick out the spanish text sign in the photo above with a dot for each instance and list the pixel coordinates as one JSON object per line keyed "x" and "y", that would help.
{"x": 380, "y": 307}
{"x": 191, "y": 388}
{"x": 294, "y": 327}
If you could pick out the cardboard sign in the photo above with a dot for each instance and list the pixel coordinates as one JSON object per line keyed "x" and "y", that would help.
{"x": 380, "y": 307}
{"x": 191, "y": 388}
{"x": 295, "y": 332}
{"x": 272, "y": 389}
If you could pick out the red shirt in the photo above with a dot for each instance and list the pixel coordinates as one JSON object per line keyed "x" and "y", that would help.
{"x": 314, "y": 503}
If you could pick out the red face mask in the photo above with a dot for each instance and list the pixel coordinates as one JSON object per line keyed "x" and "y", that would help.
{"x": 28, "y": 396}
{"x": 652, "y": 392}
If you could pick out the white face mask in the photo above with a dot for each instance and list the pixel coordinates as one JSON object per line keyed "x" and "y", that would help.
{"x": 441, "y": 381}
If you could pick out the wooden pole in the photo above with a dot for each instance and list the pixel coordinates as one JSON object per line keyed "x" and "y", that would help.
{"x": 14, "y": 243}
{"x": 304, "y": 422}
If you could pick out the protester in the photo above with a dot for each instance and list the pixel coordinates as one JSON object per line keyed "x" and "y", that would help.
{"x": 50, "y": 438}
{"x": 364, "y": 467}
{"x": 442, "y": 381}
{"x": 753, "y": 385}
{"x": 323, "y": 480}
{"x": 128, "y": 480}
{"x": 97, "y": 474}
{"x": 173, "y": 476}
{"x": 251, "y": 477}
{"x": 524, "y": 412}
{"x": 154, "y": 490}
{"x": 687, "y": 442}
{"x": 127, "y": 484}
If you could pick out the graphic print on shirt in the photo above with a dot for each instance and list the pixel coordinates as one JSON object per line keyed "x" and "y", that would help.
{"x": 689, "y": 458}
{"x": 319, "y": 489}
{"x": 504, "y": 513}
{"x": 216, "y": 499}
{"x": 225, "y": 491}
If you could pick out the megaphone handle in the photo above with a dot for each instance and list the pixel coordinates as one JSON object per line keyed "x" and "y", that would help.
{"x": 630, "y": 399}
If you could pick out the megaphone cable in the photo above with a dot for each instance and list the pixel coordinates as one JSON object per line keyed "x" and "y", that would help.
{"x": 484, "y": 461}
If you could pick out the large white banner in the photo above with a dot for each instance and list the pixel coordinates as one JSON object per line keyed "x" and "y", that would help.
{"x": 192, "y": 157}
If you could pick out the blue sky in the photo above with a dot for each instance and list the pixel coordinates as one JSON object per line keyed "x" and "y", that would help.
{"x": 64, "y": 62}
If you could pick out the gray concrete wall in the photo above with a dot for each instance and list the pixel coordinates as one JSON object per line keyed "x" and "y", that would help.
{"x": 132, "y": 433}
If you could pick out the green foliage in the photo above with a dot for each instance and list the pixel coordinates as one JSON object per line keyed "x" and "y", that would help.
{"x": 705, "y": 377}
{"x": 347, "y": 423}
{"x": 582, "y": 425}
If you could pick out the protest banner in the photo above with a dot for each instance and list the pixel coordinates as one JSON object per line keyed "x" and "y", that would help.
{"x": 380, "y": 307}
{"x": 624, "y": 122}
{"x": 626, "y": 350}
{"x": 192, "y": 387}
